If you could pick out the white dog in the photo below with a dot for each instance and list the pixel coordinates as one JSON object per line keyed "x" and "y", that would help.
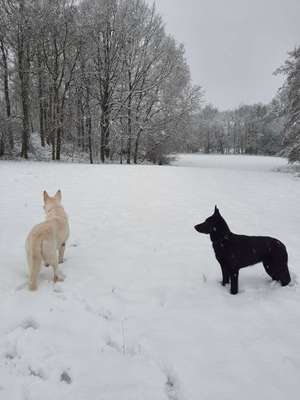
{"x": 46, "y": 241}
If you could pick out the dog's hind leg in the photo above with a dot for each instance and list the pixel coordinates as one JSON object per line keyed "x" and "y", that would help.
{"x": 51, "y": 258}
{"x": 54, "y": 264}
{"x": 56, "y": 277}
{"x": 280, "y": 265}
{"x": 270, "y": 270}
{"x": 61, "y": 253}
{"x": 34, "y": 260}
{"x": 285, "y": 277}
{"x": 33, "y": 274}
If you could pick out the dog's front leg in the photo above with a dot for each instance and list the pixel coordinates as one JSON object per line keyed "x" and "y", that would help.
{"x": 225, "y": 275}
{"x": 234, "y": 282}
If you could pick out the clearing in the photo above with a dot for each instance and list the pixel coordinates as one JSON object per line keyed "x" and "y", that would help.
{"x": 141, "y": 314}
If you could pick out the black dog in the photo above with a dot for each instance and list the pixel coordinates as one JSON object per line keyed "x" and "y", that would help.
{"x": 234, "y": 252}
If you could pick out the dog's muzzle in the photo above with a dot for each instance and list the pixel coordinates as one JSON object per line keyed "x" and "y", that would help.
{"x": 198, "y": 228}
{"x": 201, "y": 228}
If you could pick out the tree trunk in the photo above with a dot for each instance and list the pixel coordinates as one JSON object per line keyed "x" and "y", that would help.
{"x": 23, "y": 71}
{"x": 2, "y": 145}
{"x": 129, "y": 120}
{"x": 56, "y": 132}
{"x": 89, "y": 132}
{"x": 53, "y": 145}
{"x": 59, "y": 132}
{"x": 49, "y": 118}
{"x": 122, "y": 147}
{"x": 129, "y": 139}
{"x": 41, "y": 100}
{"x": 26, "y": 129}
{"x": 89, "y": 128}
{"x": 6, "y": 95}
{"x": 102, "y": 139}
{"x": 78, "y": 123}
{"x": 105, "y": 132}
{"x": 58, "y": 144}
{"x": 136, "y": 146}
{"x": 24, "y": 77}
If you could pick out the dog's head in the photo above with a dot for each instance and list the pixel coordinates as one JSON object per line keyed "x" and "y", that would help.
{"x": 52, "y": 202}
{"x": 210, "y": 224}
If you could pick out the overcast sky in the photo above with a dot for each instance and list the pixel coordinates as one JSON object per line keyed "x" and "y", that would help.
{"x": 234, "y": 46}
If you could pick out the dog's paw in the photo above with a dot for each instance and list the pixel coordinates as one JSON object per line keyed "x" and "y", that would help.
{"x": 29, "y": 323}
{"x": 33, "y": 287}
{"x": 224, "y": 283}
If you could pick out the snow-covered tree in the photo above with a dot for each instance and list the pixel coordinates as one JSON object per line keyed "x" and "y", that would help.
{"x": 96, "y": 77}
{"x": 291, "y": 95}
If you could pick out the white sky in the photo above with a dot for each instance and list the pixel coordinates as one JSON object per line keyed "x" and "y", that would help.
{"x": 234, "y": 46}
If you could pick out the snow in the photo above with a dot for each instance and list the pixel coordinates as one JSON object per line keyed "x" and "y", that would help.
{"x": 141, "y": 314}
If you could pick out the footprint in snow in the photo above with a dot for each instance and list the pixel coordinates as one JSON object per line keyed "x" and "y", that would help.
{"x": 171, "y": 388}
{"x": 105, "y": 314}
{"x": 65, "y": 377}
{"x": 36, "y": 373}
{"x": 29, "y": 323}
{"x": 113, "y": 344}
{"x": 172, "y": 385}
{"x": 125, "y": 348}
{"x": 57, "y": 288}
{"x": 11, "y": 354}
{"x": 21, "y": 286}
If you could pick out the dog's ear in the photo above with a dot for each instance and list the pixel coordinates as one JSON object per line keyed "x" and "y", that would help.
{"x": 217, "y": 212}
{"x": 46, "y": 196}
{"x": 58, "y": 195}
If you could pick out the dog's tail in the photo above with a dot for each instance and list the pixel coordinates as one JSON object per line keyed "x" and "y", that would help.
{"x": 34, "y": 258}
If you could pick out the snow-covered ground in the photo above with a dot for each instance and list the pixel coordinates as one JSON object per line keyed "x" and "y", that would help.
{"x": 141, "y": 314}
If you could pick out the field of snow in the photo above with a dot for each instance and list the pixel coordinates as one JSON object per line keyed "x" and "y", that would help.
{"x": 141, "y": 314}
